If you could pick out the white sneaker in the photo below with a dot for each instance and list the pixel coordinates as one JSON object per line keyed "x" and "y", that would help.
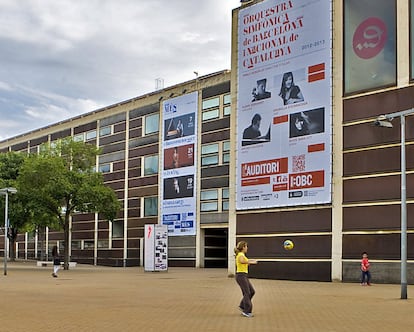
{"x": 249, "y": 315}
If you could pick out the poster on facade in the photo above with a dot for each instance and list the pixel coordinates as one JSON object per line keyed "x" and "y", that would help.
{"x": 156, "y": 248}
{"x": 370, "y": 46}
{"x": 284, "y": 104}
{"x": 179, "y": 165}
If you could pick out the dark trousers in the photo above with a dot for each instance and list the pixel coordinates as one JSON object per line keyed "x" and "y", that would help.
{"x": 365, "y": 275}
{"x": 248, "y": 292}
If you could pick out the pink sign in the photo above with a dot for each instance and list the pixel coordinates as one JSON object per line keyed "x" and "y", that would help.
{"x": 370, "y": 38}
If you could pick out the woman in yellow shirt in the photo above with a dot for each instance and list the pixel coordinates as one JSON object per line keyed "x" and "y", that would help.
{"x": 242, "y": 278}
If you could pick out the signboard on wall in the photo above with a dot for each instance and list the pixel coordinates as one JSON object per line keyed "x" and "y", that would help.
{"x": 179, "y": 164}
{"x": 284, "y": 104}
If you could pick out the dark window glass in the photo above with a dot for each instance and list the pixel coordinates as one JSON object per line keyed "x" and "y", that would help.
{"x": 369, "y": 45}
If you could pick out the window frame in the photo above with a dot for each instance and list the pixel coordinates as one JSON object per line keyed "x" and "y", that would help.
{"x": 146, "y": 126}
{"x": 103, "y": 133}
{"x": 145, "y": 199}
{"x": 210, "y": 155}
{"x": 144, "y": 168}
{"x": 209, "y": 203}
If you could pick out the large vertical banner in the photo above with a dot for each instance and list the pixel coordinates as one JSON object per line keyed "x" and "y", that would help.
{"x": 179, "y": 164}
{"x": 284, "y": 104}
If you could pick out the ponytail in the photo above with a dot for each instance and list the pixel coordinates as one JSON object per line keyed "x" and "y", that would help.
{"x": 239, "y": 247}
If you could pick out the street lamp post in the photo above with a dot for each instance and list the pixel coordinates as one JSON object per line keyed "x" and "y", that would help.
{"x": 6, "y": 192}
{"x": 385, "y": 121}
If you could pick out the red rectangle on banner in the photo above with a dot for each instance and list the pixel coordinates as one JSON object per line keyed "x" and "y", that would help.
{"x": 307, "y": 180}
{"x": 316, "y": 77}
{"x": 254, "y": 182}
{"x": 316, "y": 68}
{"x": 316, "y": 147}
{"x": 280, "y": 119}
{"x": 280, "y": 187}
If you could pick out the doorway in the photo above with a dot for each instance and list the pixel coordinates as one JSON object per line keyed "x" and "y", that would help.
{"x": 215, "y": 247}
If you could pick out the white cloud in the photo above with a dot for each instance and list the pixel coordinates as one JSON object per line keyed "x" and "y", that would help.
{"x": 5, "y": 86}
{"x": 62, "y": 58}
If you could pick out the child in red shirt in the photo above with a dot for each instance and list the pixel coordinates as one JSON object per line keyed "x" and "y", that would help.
{"x": 366, "y": 275}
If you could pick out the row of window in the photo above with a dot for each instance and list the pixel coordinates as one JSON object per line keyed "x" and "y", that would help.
{"x": 212, "y": 109}
{"x": 209, "y": 201}
{"x": 211, "y": 154}
{"x": 151, "y": 126}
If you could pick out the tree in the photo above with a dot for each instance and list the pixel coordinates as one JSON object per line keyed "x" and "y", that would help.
{"x": 61, "y": 181}
{"x": 19, "y": 214}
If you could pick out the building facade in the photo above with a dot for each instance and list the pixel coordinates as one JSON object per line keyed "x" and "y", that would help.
{"x": 129, "y": 135}
{"x": 353, "y": 62}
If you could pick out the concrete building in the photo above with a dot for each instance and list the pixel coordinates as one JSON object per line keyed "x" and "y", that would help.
{"x": 128, "y": 134}
{"x": 353, "y": 62}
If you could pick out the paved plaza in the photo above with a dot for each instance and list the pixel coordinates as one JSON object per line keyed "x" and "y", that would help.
{"x": 89, "y": 298}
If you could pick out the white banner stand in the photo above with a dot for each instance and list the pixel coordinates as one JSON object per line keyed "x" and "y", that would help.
{"x": 156, "y": 248}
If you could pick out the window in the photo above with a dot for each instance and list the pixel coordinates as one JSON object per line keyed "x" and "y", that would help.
{"x": 152, "y": 123}
{"x": 225, "y": 205}
{"x": 40, "y": 148}
{"x": 209, "y": 103}
{"x": 208, "y": 194}
{"x": 105, "y": 131}
{"x": 151, "y": 165}
{"x": 209, "y": 200}
{"x": 227, "y": 99}
{"x": 209, "y": 148}
{"x": 150, "y": 206}
{"x": 226, "y": 152}
{"x": 369, "y": 45}
{"x": 211, "y": 114}
{"x": 118, "y": 229}
{"x": 209, "y": 154}
{"x": 91, "y": 135}
{"x": 209, "y": 206}
{"x": 103, "y": 244}
{"x": 105, "y": 168}
{"x": 225, "y": 199}
{"x": 79, "y": 137}
{"x": 88, "y": 244}
{"x": 31, "y": 236}
{"x": 76, "y": 244}
{"x": 227, "y": 110}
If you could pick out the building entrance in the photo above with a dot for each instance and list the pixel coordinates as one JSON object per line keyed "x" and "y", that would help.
{"x": 215, "y": 247}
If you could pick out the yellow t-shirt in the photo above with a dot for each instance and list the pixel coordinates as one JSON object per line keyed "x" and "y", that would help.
{"x": 241, "y": 267}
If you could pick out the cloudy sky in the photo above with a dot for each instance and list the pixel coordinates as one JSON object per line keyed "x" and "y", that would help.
{"x": 61, "y": 58}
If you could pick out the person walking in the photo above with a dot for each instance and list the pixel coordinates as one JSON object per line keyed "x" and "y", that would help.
{"x": 56, "y": 261}
{"x": 242, "y": 278}
{"x": 365, "y": 274}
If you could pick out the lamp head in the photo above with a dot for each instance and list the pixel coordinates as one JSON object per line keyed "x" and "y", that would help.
{"x": 9, "y": 190}
{"x": 383, "y": 121}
